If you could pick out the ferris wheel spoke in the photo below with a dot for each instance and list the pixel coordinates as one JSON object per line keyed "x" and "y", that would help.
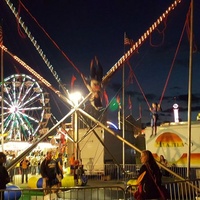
{"x": 8, "y": 94}
{"x": 8, "y": 125}
{"x": 30, "y": 101}
{"x": 5, "y": 115}
{"x": 7, "y": 103}
{"x": 28, "y": 89}
{"x": 30, "y": 108}
{"x": 14, "y": 89}
{"x": 25, "y": 124}
{"x": 20, "y": 93}
{"x": 29, "y": 117}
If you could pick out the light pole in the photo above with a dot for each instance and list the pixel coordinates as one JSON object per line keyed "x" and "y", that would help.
{"x": 75, "y": 97}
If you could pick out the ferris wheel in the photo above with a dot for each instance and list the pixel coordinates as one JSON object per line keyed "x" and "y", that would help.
{"x": 24, "y": 107}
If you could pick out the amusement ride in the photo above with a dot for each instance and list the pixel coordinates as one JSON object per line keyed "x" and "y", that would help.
{"x": 26, "y": 108}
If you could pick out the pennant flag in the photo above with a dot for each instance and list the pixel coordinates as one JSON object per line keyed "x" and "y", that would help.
{"x": 129, "y": 103}
{"x": 118, "y": 99}
{"x": 106, "y": 97}
{"x": 72, "y": 81}
{"x": 128, "y": 41}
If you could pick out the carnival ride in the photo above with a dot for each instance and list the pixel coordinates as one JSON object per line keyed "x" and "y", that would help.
{"x": 109, "y": 74}
{"x": 76, "y": 108}
{"x": 26, "y": 108}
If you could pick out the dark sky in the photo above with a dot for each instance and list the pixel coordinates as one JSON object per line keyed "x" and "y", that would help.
{"x": 84, "y": 29}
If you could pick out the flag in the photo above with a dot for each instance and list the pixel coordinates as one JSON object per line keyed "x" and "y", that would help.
{"x": 118, "y": 99}
{"x": 72, "y": 81}
{"x": 127, "y": 40}
{"x": 129, "y": 103}
{"x": 1, "y": 34}
{"x": 106, "y": 97}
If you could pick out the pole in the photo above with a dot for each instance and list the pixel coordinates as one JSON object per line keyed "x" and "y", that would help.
{"x": 75, "y": 127}
{"x": 119, "y": 115}
{"x": 190, "y": 89}
{"x": 123, "y": 118}
{"x": 2, "y": 94}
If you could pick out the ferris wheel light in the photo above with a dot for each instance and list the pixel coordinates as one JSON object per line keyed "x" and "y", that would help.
{"x": 16, "y": 83}
{"x": 28, "y": 83}
{"x": 13, "y": 109}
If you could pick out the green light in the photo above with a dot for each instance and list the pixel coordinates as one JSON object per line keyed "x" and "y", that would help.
{"x": 113, "y": 105}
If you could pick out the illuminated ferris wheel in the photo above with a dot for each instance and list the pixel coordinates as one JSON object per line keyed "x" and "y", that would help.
{"x": 24, "y": 107}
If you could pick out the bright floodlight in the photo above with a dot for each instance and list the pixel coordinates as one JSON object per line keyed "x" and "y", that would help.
{"x": 75, "y": 97}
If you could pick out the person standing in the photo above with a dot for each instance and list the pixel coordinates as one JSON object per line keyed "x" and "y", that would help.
{"x": 154, "y": 117}
{"x": 34, "y": 165}
{"x": 24, "y": 165}
{"x": 49, "y": 172}
{"x": 72, "y": 164}
{"x": 59, "y": 161}
{"x": 164, "y": 162}
{"x": 151, "y": 177}
{"x": 63, "y": 141}
{"x": 4, "y": 176}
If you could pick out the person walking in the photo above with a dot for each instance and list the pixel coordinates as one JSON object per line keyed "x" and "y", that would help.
{"x": 150, "y": 177}
{"x": 4, "y": 176}
{"x": 49, "y": 172}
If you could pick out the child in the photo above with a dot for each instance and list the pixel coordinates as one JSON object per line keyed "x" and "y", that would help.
{"x": 154, "y": 117}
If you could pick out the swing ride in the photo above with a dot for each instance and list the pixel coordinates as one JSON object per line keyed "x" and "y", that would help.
{"x": 32, "y": 116}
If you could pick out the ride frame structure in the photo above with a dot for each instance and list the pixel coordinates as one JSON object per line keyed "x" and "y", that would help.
{"x": 76, "y": 108}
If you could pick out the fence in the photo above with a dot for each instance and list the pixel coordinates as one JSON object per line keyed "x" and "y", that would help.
{"x": 179, "y": 190}
{"x": 115, "y": 172}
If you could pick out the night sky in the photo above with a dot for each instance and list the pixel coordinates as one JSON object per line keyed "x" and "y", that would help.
{"x": 84, "y": 29}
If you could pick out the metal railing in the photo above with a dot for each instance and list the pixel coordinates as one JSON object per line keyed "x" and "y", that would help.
{"x": 178, "y": 190}
{"x": 113, "y": 172}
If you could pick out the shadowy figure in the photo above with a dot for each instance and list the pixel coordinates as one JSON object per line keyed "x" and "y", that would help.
{"x": 164, "y": 162}
{"x": 4, "y": 177}
{"x": 94, "y": 83}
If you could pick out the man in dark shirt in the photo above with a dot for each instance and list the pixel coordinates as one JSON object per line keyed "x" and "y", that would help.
{"x": 60, "y": 167}
{"x": 4, "y": 177}
{"x": 49, "y": 171}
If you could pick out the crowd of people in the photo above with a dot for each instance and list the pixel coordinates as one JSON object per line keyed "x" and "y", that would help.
{"x": 51, "y": 166}
{"x": 31, "y": 164}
